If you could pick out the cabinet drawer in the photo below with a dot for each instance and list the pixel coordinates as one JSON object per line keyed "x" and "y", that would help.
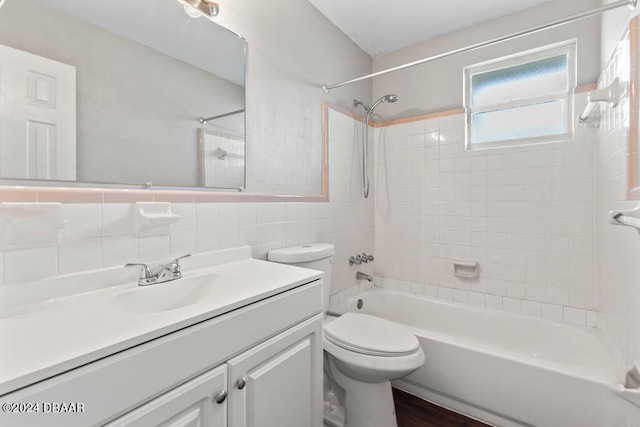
{"x": 116, "y": 384}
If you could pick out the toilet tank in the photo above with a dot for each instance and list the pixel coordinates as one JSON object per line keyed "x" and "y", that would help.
{"x": 316, "y": 256}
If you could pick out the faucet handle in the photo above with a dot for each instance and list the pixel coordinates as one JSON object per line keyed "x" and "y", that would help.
{"x": 145, "y": 272}
{"x": 177, "y": 260}
{"x": 366, "y": 258}
{"x": 175, "y": 265}
{"x": 355, "y": 260}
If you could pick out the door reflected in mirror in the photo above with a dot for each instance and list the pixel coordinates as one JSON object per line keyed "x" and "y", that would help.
{"x": 113, "y": 93}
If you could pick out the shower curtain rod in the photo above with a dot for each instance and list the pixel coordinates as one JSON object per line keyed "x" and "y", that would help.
{"x": 204, "y": 120}
{"x": 631, "y": 3}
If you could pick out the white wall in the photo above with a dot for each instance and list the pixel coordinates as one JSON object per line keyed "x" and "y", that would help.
{"x": 293, "y": 50}
{"x": 613, "y": 23}
{"x": 617, "y": 248}
{"x": 437, "y": 86}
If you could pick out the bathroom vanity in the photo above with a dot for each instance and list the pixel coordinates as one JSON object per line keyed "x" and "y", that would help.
{"x": 235, "y": 342}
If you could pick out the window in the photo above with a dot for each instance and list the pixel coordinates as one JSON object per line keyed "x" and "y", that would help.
{"x": 521, "y": 99}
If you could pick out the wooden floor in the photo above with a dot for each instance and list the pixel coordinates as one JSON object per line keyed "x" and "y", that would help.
{"x": 414, "y": 412}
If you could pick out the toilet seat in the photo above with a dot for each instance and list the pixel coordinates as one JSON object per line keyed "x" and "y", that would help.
{"x": 370, "y": 335}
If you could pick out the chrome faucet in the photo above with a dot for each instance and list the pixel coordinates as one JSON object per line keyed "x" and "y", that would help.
{"x": 163, "y": 273}
{"x": 361, "y": 276}
{"x": 359, "y": 259}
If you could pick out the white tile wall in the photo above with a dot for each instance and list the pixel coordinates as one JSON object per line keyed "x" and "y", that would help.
{"x": 617, "y": 248}
{"x": 525, "y": 213}
{"x": 100, "y": 235}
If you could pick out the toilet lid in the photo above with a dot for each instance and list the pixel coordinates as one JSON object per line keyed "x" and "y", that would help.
{"x": 372, "y": 335}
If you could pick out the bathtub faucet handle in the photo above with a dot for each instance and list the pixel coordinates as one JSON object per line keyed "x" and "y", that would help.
{"x": 357, "y": 260}
{"x": 366, "y": 258}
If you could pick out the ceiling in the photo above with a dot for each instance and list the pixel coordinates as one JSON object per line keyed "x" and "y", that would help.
{"x": 382, "y": 26}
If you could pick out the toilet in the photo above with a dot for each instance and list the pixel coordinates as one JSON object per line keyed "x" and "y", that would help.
{"x": 362, "y": 353}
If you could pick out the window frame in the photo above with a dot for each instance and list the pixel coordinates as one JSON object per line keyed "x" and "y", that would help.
{"x": 568, "y": 48}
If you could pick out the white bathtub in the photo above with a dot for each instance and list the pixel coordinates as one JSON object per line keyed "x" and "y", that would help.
{"x": 505, "y": 369}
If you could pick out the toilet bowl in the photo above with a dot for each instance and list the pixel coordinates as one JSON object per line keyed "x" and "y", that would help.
{"x": 371, "y": 349}
{"x": 363, "y": 353}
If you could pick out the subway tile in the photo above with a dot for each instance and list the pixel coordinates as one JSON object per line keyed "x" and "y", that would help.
{"x": 119, "y": 250}
{"x": 512, "y": 305}
{"x": 83, "y": 220}
{"x": 493, "y": 302}
{"x": 183, "y": 242}
{"x": 552, "y": 312}
{"x": 532, "y": 308}
{"x": 79, "y": 255}
{"x": 228, "y": 214}
{"x": 575, "y": 315}
{"x": 30, "y": 264}
{"x": 187, "y": 213}
{"x": 207, "y": 215}
{"x": 117, "y": 219}
{"x": 155, "y": 248}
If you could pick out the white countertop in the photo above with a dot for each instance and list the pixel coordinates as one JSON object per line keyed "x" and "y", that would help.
{"x": 67, "y": 332}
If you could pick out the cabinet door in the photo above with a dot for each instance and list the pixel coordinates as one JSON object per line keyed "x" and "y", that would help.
{"x": 279, "y": 382}
{"x": 194, "y": 404}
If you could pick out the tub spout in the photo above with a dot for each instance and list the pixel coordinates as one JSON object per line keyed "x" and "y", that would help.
{"x": 362, "y": 276}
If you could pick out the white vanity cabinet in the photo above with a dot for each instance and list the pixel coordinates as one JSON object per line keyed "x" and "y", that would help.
{"x": 274, "y": 384}
{"x": 265, "y": 356}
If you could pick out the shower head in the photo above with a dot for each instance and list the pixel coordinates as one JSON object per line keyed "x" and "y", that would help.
{"x": 369, "y": 110}
{"x": 392, "y": 97}
{"x": 387, "y": 98}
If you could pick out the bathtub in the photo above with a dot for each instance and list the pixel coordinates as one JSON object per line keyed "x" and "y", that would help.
{"x": 505, "y": 369}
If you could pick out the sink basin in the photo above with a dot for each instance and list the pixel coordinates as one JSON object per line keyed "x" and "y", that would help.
{"x": 172, "y": 295}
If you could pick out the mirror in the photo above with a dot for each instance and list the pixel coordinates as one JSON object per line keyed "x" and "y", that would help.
{"x": 119, "y": 92}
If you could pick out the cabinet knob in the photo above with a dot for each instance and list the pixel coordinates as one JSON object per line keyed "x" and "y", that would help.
{"x": 221, "y": 397}
{"x": 241, "y": 383}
